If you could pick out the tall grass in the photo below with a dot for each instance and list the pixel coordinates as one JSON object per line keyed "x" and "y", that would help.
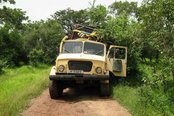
{"x": 18, "y": 86}
{"x": 129, "y": 97}
{"x": 151, "y": 93}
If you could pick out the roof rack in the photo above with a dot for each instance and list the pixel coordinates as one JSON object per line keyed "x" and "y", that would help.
{"x": 87, "y": 32}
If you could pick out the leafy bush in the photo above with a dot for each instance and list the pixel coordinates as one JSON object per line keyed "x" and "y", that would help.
{"x": 156, "y": 89}
{"x": 2, "y": 65}
{"x": 123, "y": 32}
{"x": 44, "y": 36}
{"x": 36, "y": 56}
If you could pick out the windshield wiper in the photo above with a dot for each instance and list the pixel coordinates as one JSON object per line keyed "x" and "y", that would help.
{"x": 99, "y": 52}
{"x": 66, "y": 51}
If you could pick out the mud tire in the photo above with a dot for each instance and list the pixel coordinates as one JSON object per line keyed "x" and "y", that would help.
{"x": 55, "y": 89}
{"x": 105, "y": 89}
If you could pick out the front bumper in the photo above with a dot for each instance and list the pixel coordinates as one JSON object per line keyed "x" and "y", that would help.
{"x": 78, "y": 77}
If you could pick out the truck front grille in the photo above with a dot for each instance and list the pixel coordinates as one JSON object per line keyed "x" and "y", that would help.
{"x": 86, "y": 66}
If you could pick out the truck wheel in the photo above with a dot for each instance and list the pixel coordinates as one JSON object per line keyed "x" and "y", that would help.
{"x": 104, "y": 89}
{"x": 55, "y": 89}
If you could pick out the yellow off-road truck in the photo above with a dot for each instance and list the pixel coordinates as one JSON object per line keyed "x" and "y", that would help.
{"x": 83, "y": 60}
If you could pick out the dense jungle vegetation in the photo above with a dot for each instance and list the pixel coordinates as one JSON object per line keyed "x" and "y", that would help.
{"x": 147, "y": 31}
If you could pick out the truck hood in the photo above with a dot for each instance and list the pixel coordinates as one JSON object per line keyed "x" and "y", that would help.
{"x": 81, "y": 57}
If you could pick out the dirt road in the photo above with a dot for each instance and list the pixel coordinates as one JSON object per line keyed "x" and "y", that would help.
{"x": 85, "y": 102}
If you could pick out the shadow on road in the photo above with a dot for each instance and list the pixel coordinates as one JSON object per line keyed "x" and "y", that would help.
{"x": 81, "y": 94}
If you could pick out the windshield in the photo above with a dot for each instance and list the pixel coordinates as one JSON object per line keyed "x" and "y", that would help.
{"x": 89, "y": 48}
{"x": 72, "y": 47}
{"x": 92, "y": 48}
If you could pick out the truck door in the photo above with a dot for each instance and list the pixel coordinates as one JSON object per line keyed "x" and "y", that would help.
{"x": 117, "y": 60}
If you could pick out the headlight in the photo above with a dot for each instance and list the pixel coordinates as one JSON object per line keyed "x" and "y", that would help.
{"x": 61, "y": 68}
{"x": 98, "y": 70}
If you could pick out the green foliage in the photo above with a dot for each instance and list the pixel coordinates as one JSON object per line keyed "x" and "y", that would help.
{"x": 10, "y": 1}
{"x": 156, "y": 17}
{"x": 12, "y": 18}
{"x": 97, "y": 15}
{"x": 45, "y": 37}
{"x": 19, "y": 86}
{"x": 35, "y": 57}
{"x": 67, "y": 18}
{"x": 116, "y": 30}
{"x": 121, "y": 31}
{"x": 2, "y": 65}
{"x": 117, "y": 8}
{"x": 155, "y": 89}
{"x": 10, "y": 35}
{"x": 10, "y": 46}
{"x": 148, "y": 93}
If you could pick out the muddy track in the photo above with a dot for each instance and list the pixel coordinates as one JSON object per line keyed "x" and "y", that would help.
{"x": 84, "y": 102}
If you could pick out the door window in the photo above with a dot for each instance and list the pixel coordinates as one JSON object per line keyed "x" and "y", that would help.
{"x": 118, "y": 53}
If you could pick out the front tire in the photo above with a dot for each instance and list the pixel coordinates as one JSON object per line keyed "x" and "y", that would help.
{"x": 55, "y": 89}
{"x": 104, "y": 89}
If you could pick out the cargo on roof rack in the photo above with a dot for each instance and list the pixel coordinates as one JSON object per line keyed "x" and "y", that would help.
{"x": 86, "y": 32}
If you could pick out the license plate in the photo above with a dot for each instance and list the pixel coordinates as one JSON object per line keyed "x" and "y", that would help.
{"x": 75, "y": 71}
